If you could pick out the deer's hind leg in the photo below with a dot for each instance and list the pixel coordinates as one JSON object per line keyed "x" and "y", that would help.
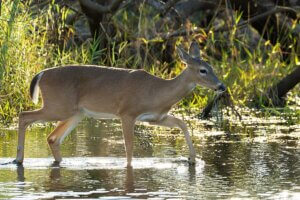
{"x": 57, "y": 136}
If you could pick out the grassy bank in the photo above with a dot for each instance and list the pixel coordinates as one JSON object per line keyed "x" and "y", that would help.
{"x": 30, "y": 43}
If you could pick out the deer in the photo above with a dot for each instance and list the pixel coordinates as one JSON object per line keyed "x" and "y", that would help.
{"x": 70, "y": 93}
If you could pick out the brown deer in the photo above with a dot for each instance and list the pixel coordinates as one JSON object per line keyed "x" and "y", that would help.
{"x": 69, "y": 93}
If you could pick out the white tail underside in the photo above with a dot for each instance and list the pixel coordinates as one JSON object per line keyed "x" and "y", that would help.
{"x": 35, "y": 95}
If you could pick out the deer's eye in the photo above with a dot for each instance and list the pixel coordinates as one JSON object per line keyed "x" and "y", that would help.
{"x": 203, "y": 71}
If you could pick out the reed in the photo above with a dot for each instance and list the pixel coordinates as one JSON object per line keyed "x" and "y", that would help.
{"x": 26, "y": 46}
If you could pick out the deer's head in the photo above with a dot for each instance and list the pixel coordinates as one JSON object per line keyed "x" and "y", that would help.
{"x": 201, "y": 72}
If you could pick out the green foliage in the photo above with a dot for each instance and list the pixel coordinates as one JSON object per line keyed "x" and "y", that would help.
{"x": 30, "y": 42}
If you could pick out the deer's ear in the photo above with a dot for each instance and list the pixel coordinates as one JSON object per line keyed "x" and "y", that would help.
{"x": 194, "y": 50}
{"x": 184, "y": 56}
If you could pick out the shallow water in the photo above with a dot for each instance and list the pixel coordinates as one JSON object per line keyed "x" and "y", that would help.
{"x": 250, "y": 161}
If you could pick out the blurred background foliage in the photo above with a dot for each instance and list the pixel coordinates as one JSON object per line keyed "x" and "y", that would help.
{"x": 252, "y": 45}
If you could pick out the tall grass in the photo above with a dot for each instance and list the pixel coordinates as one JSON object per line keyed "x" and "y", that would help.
{"x": 30, "y": 43}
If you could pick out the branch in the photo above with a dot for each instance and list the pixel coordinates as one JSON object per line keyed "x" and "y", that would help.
{"x": 168, "y": 6}
{"x": 187, "y": 8}
{"x": 166, "y": 36}
{"x": 72, "y": 8}
{"x": 178, "y": 33}
{"x": 227, "y": 101}
{"x": 277, "y": 92}
{"x": 263, "y": 15}
{"x": 100, "y": 8}
{"x": 157, "y": 4}
{"x": 181, "y": 8}
{"x": 163, "y": 7}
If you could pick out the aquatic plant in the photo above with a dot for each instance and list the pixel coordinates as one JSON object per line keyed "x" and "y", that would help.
{"x": 35, "y": 37}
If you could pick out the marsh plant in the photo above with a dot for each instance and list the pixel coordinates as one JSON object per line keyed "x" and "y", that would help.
{"x": 31, "y": 41}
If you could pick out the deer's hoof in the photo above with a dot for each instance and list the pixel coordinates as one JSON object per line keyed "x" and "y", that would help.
{"x": 192, "y": 161}
{"x": 55, "y": 164}
{"x": 17, "y": 162}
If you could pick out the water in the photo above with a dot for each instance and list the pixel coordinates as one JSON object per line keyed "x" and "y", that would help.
{"x": 256, "y": 160}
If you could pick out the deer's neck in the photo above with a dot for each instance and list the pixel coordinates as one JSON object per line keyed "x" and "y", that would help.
{"x": 179, "y": 87}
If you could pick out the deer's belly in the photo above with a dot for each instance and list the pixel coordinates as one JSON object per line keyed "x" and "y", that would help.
{"x": 150, "y": 117}
{"x": 145, "y": 117}
{"x": 99, "y": 115}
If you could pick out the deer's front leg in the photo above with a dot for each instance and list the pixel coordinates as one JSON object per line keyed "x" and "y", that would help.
{"x": 171, "y": 121}
{"x": 128, "y": 131}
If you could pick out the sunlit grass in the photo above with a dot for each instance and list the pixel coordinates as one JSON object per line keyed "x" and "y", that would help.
{"x": 30, "y": 43}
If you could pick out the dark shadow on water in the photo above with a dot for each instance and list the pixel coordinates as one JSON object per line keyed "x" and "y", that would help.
{"x": 192, "y": 173}
{"x": 129, "y": 182}
{"x": 20, "y": 173}
{"x": 55, "y": 173}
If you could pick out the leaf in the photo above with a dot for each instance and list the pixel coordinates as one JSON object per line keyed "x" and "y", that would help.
{"x": 297, "y": 62}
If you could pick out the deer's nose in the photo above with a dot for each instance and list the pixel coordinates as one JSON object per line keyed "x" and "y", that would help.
{"x": 221, "y": 87}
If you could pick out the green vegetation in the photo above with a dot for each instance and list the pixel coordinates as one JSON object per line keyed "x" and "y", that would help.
{"x": 30, "y": 42}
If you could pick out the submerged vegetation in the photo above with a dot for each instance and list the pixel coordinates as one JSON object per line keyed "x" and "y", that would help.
{"x": 34, "y": 38}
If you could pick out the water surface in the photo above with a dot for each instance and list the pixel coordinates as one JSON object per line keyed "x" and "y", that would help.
{"x": 249, "y": 161}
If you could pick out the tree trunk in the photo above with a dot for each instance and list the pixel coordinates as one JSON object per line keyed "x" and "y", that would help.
{"x": 277, "y": 93}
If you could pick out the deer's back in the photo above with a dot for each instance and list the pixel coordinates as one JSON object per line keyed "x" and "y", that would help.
{"x": 100, "y": 89}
